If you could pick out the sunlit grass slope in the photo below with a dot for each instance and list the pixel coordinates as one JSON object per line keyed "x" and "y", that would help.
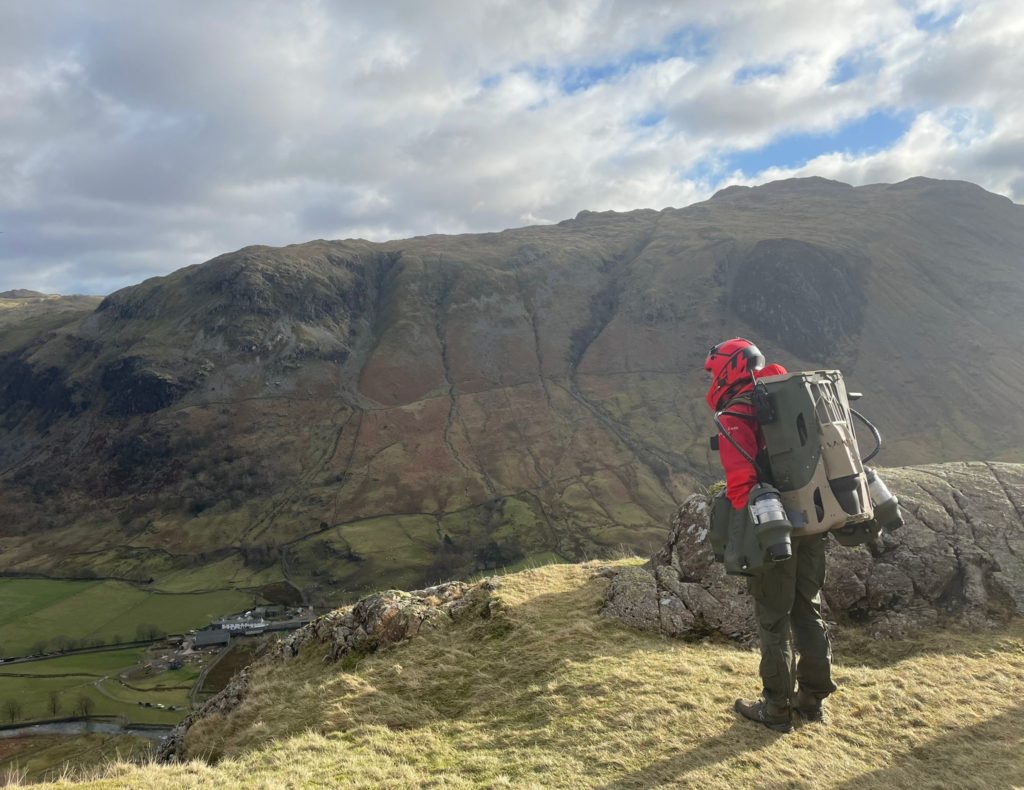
{"x": 549, "y": 694}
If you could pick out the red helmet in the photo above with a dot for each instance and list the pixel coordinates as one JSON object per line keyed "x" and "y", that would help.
{"x": 731, "y": 365}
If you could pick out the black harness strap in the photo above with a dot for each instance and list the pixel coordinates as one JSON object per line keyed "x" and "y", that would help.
{"x": 724, "y": 411}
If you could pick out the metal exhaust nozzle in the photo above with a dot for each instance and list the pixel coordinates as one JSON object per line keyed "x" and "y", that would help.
{"x": 884, "y": 502}
{"x": 771, "y": 522}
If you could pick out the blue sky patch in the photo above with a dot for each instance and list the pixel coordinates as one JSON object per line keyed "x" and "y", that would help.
{"x": 873, "y": 132}
{"x": 490, "y": 81}
{"x": 690, "y": 43}
{"x": 934, "y": 22}
{"x": 649, "y": 119}
{"x": 856, "y": 64}
{"x": 576, "y": 79}
{"x": 756, "y": 71}
{"x": 845, "y": 69}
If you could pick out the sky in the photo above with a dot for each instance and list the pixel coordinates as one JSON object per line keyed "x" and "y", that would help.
{"x": 138, "y": 137}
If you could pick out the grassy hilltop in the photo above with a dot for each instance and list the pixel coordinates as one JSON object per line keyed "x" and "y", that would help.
{"x": 550, "y": 694}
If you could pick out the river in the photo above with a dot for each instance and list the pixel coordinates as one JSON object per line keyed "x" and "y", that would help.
{"x": 154, "y": 732}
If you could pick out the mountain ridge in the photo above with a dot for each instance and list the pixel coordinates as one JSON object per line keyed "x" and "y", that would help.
{"x": 338, "y": 412}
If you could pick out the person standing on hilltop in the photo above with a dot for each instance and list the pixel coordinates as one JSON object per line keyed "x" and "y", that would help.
{"x": 787, "y": 594}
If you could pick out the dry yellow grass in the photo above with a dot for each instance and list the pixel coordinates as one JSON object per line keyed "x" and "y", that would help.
{"x": 552, "y": 695}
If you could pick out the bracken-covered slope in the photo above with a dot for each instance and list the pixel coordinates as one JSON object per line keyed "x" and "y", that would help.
{"x": 345, "y": 415}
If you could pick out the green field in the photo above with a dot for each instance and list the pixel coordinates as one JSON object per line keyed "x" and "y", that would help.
{"x": 173, "y": 678}
{"x": 229, "y": 573}
{"x": 92, "y": 675}
{"x": 34, "y": 612}
{"x": 99, "y": 664}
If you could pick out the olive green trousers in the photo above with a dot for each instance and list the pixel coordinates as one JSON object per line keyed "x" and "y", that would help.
{"x": 787, "y": 605}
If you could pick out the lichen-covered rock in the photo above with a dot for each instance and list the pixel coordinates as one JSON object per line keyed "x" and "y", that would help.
{"x": 172, "y": 747}
{"x": 384, "y": 618}
{"x": 635, "y": 599}
{"x": 372, "y": 623}
{"x": 960, "y": 557}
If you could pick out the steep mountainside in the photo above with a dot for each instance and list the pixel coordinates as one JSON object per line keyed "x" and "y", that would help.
{"x": 347, "y": 415}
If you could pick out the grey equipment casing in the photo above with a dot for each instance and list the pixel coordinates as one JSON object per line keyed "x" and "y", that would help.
{"x": 744, "y": 555}
{"x": 718, "y": 524}
{"x": 812, "y": 450}
{"x": 734, "y": 537}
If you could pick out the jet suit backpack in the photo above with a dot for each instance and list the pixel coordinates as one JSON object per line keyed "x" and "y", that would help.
{"x": 812, "y": 479}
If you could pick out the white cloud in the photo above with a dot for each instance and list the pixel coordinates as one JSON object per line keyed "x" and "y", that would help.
{"x": 965, "y": 85}
{"x": 137, "y": 138}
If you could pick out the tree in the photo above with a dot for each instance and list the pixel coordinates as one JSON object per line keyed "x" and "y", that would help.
{"x": 12, "y": 710}
{"x": 148, "y": 632}
{"x": 54, "y": 703}
{"x": 85, "y": 705}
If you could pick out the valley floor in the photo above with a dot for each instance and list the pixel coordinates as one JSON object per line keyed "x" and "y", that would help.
{"x": 550, "y": 694}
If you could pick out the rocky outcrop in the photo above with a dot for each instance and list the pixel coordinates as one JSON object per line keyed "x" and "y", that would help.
{"x": 959, "y": 558}
{"x": 383, "y": 619}
{"x": 25, "y": 387}
{"x": 133, "y": 387}
{"x": 371, "y": 624}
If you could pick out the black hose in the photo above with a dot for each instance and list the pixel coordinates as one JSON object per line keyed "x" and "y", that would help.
{"x": 732, "y": 441}
{"x": 874, "y": 432}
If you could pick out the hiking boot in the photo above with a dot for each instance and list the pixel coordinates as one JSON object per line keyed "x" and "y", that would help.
{"x": 808, "y": 707}
{"x": 758, "y": 711}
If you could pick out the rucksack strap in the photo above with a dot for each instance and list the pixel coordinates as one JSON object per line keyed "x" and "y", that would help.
{"x": 745, "y": 398}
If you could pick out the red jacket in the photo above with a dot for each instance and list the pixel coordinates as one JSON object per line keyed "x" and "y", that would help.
{"x": 740, "y": 475}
